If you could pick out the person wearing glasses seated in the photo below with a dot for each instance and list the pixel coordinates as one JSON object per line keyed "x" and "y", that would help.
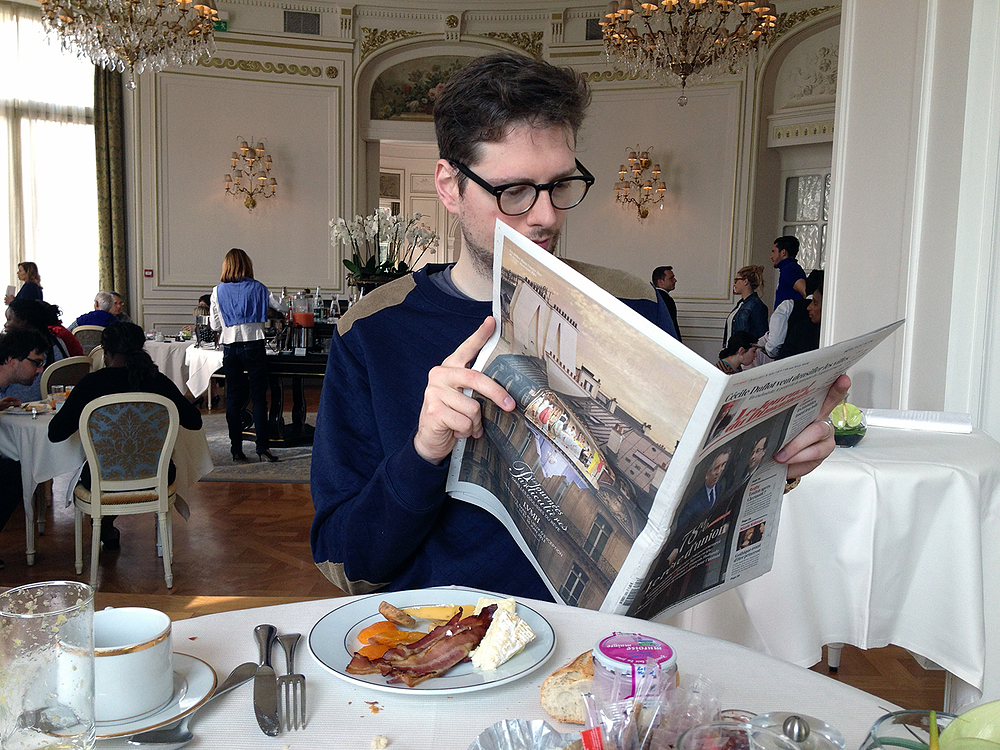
{"x": 37, "y": 316}
{"x": 22, "y": 357}
{"x": 392, "y": 405}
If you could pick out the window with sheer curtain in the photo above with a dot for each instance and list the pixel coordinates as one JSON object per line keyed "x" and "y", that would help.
{"x": 807, "y": 210}
{"x": 47, "y": 135}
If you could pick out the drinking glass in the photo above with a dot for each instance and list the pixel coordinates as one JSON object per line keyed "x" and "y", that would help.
{"x": 47, "y": 641}
{"x": 57, "y": 393}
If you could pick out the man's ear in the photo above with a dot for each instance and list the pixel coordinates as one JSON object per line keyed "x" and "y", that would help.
{"x": 446, "y": 183}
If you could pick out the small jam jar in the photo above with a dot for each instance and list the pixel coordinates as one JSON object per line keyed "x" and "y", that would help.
{"x": 621, "y": 663}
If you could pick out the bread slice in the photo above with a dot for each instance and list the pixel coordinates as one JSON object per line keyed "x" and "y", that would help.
{"x": 562, "y": 691}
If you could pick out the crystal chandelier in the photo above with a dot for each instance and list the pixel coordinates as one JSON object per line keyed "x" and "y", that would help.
{"x": 251, "y": 167}
{"x": 635, "y": 189}
{"x": 132, "y": 35}
{"x": 675, "y": 40}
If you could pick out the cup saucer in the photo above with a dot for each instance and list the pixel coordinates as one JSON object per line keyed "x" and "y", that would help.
{"x": 194, "y": 683}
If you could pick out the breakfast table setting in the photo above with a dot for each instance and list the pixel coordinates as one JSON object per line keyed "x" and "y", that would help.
{"x": 342, "y": 709}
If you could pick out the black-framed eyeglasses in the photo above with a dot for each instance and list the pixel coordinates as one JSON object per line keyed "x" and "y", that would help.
{"x": 516, "y": 198}
{"x": 36, "y": 362}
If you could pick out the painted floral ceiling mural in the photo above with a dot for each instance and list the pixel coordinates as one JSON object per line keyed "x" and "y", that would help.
{"x": 407, "y": 91}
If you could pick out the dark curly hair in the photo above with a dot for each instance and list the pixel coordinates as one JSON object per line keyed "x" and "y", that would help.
{"x": 482, "y": 101}
{"x": 35, "y": 314}
{"x": 127, "y": 341}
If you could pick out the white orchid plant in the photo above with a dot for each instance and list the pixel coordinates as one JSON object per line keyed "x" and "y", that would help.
{"x": 382, "y": 244}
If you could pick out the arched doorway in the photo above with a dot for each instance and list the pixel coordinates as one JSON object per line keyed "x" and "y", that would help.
{"x": 396, "y": 143}
{"x": 795, "y": 102}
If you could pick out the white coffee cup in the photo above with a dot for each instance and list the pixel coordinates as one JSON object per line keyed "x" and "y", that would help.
{"x": 133, "y": 664}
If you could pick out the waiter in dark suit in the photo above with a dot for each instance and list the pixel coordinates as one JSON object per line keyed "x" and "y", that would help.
{"x": 664, "y": 280}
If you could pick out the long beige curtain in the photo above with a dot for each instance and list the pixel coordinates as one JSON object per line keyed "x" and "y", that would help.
{"x": 109, "y": 127}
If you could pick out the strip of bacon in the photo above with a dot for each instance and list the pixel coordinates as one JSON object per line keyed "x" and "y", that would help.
{"x": 436, "y": 660}
{"x": 431, "y": 656}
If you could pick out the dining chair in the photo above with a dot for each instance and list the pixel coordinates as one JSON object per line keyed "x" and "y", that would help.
{"x": 96, "y": 358}
{"x": 128, "y": 439}
{"x": 69, "y": 371}
{"x": 88, "y": 336}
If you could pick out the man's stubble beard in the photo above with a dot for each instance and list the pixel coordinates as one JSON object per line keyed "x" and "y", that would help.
{"x": 482, "y": 258}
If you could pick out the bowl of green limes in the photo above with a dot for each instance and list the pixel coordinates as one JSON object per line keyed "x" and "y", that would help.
{"x": 848, "y": 424}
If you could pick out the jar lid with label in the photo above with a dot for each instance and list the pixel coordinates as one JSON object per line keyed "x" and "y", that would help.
{"x": 633, "y": 664}
{"x": 622, "y": 650}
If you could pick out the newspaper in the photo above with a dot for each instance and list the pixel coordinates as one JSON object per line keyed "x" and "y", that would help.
{"x": 636, "y": 476}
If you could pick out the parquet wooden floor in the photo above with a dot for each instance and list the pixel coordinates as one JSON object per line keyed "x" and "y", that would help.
{"x": 252, "y": 540}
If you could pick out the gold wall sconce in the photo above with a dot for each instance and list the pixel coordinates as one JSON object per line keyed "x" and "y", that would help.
{"x": 250, "y": 174}
{"x": 634, "y": 188}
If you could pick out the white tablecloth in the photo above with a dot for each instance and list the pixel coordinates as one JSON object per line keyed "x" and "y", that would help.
{"x": 26, "y": 440}
{"x": 341, "y": 714}
{"x": 202, "y": 364}
{"x": 169, "y": 357}
{"x": 894, "y": 541}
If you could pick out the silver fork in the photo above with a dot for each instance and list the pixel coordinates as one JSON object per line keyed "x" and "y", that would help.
{"x": 292, "y": 687}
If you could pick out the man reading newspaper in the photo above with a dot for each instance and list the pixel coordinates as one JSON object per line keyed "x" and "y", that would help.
{"x": 392, "y": 405}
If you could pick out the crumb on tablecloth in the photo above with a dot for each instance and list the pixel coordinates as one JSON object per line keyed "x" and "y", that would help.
{"x": 380, "y": 742}
{"x": 373, "y": 706}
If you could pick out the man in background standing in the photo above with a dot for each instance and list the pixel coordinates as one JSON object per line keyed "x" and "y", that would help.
{"x": 664, "y": 280}
{"x": 791, "y": 277}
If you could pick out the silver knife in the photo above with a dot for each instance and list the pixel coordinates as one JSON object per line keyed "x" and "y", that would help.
{"x": 265, "y": 683}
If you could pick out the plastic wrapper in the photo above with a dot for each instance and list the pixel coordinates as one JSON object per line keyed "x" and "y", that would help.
{"x": 521, "y": 734}
{"x": 654, "y": 720}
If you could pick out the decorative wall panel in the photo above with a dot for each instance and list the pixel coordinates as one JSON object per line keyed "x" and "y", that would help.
{"x": 287, "y": 236}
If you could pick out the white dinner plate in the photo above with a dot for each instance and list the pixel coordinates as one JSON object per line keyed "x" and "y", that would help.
{"x": 194, "y": 683}
{"x": 333, "y": 640}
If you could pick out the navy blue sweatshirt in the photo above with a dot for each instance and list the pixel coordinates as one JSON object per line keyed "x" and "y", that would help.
{"x": 383, "y": 520}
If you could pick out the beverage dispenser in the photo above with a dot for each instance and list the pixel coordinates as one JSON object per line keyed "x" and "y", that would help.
{"x": 303, "y": 320}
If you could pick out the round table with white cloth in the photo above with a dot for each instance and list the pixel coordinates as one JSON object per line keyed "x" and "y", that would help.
{"x": 343, "y": 714}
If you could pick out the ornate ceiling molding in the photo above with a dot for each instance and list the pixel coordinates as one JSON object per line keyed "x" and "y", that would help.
{"x": 609, "y": 75}
{"x": 529, "y": 41}
{"x": 787, "y": 21}
{"x": 515, "y": 15}
{"x": 373, "y": 39}
{"x": 256, "y": 66}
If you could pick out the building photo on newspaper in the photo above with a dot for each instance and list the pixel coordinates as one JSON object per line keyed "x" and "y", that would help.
{"x": 636, "y": 476}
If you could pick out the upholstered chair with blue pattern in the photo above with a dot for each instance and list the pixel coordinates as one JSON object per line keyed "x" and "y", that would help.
{"x": 128, "y": 439}
{"x": 88, "y": 336}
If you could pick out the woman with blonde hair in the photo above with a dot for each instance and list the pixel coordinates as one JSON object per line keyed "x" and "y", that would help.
{"x": 750, "y": 313}
{"x": 239, "y": 310}
{"x": 31, "y": 288}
